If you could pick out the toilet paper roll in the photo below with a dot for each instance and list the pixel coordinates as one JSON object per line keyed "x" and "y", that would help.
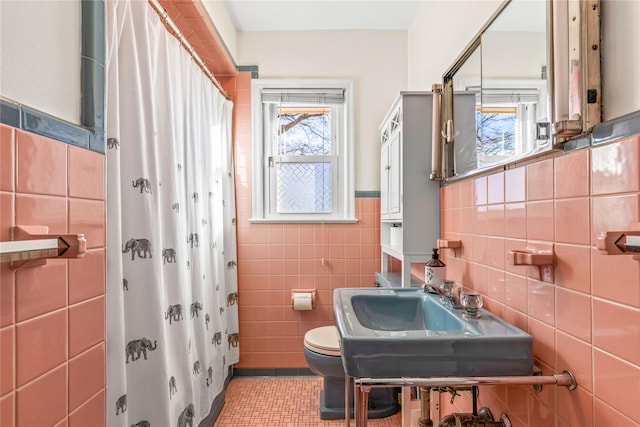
{"x": 302, "y": 301}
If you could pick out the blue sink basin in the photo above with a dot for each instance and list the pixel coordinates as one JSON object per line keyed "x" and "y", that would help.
{"x": 403, "y": 313}
{"x": 407, "y": 332}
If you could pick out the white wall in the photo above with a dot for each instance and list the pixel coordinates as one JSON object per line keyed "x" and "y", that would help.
{"x": 376, "y": 61}
{"x": 223, "y": 23}
{"x": 439, "y": 33}
{"x": 504, "y": 57}
{"x": 441, "y": 30}
{"x": 40, "y": 55}
{"x": 620, "y": 57}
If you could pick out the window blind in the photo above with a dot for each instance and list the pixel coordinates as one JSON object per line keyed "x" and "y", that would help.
{"x": 303, "y": 96}
{"x": 509, "y": 96}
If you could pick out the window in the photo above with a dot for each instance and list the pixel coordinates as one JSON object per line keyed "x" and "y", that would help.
{"x": 302, "y": 151}
{"x": 507, "y": 120}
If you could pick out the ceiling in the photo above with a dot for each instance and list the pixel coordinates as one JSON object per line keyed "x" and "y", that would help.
{"x": 293, "y": 15}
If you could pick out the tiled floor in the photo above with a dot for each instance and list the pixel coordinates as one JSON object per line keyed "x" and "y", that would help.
{"x": 280, "y": 402}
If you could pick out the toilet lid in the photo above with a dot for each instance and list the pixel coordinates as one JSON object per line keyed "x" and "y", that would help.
{"x": 323, "y": 340}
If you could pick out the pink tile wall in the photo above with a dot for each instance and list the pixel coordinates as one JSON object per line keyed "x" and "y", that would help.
{"x": 586, "y": 318}
{"x": 52, "y": 316}
{"x": 275, "y": 258}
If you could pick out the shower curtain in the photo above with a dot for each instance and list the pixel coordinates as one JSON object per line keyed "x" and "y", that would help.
{"x": 172, "y": 320}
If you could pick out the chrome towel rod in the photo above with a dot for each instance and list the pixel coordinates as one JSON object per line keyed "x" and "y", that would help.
{"x": 566, "y": 379}
{"x": 23, "y": 250}
{"x": 32, "y": 245}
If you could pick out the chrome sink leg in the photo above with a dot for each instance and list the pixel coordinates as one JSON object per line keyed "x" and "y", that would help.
{"x": 347, "y": 400}
{"x": 425, "y": 407}
{"x": 361, "y": 396}
{"x": 356, "y": 405}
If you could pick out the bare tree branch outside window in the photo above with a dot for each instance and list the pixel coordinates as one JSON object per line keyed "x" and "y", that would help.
{"x": 495, "y": 132}
{"x": 304, "y": 133}
{"x": 304, "y": 185}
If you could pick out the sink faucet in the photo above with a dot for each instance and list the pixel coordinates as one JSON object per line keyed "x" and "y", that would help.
{"x": 448, "y": 291}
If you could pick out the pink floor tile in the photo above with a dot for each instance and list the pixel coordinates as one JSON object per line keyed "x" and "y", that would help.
{"x": 280, "y": 402}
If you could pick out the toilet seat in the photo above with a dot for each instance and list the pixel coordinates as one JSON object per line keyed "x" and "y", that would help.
{"x": 324, "y": 340}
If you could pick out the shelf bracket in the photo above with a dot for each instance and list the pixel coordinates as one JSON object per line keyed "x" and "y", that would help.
{"x": 543, "y": 261}
{"x": 449, "y": 244}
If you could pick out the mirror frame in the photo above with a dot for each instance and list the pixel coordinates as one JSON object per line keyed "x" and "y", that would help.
{"x": 574, "y": 89}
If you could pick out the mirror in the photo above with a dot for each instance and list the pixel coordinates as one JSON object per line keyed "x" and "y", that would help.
{"x": 468, "y": 102}
{"x": 496, "y": 94}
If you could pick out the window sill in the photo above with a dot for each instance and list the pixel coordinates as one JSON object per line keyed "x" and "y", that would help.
{"x": 303, "y": 221}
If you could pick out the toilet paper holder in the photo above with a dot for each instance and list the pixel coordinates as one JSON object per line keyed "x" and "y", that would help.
{"x": 304, "y": 291}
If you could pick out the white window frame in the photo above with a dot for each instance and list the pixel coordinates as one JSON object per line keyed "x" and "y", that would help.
{"x": 343, "y": 190}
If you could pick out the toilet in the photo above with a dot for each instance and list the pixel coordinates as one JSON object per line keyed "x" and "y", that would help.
{"x": 322, "y": 351}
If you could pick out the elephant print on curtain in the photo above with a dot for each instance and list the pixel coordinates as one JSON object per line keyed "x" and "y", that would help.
{"x": 195, "y": 309}
{"x": 232, "y": 298}
{"x": 143, "y": 183}
{"x": 140, "y": 247}
{"x": 186, "y": 417}
{"x": 170, "y": 228}
{"x": 135, "y": 347}
{"x": 217, "y": 338}
{"x": 174, "y": 313}
{"x": 112, "y": 143}
{"x": 168, "y": 255}
{"x": 193, "y": 240}
{"x": 121, "y": 404}
{"x": 172, "y": 386}
{"x": 209, "y": 376}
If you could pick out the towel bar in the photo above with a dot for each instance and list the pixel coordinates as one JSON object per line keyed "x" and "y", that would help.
{"x": 32, "y": 245}
{"x": 620, "y": 242}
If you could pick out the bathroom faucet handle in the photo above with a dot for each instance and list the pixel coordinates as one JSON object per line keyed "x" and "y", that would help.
{"x": 471, "y": 302}
{"x": 450, "y": 289}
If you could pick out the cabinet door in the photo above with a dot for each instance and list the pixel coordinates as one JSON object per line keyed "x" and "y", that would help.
{"x": 395, "y": 175}
{"x": 384, "y": 180}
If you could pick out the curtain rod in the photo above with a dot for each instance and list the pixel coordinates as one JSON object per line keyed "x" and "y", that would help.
{"x": 178, "y": 34}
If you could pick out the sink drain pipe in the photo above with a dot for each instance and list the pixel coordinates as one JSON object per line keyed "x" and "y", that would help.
{"x": 478, "y": 418}
{"x": 425, "y": 407}
{"x": 484, "y": 418}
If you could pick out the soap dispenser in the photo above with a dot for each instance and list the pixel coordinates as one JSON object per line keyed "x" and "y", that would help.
{"x": 434, "y": 270}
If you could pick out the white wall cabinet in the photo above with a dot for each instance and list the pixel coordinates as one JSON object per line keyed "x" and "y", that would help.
{"x": 409, "y": 201}
{"x": 390, "y": 176}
